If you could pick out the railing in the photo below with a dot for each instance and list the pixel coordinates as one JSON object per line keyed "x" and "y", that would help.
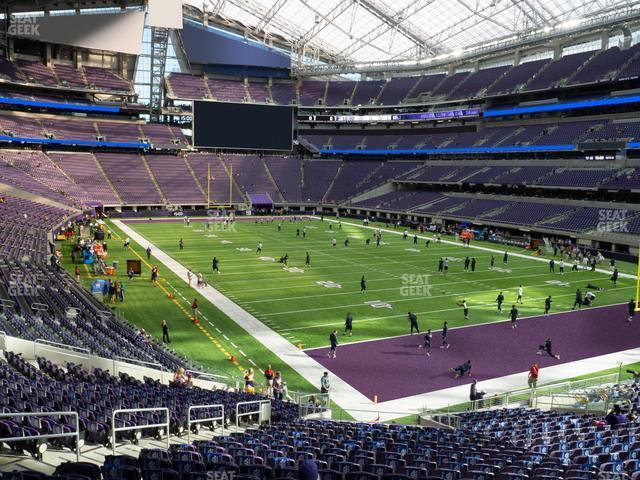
{"x": 434, "y": 418}
{"x": 263, "y": 411}
{"x": 206, "y": 375}
{"x": 6, "y": 303}
{"x": 72, "y": 312}
{"x": 530, "y": 397}
{"x": 375, "y": 416}
{"x": 115, "y": 429}
{"x": 140, "y": 363}
{"x": 39, "y": 307}
{"x": 191, "y": 421}
{"x": 313, "y": 403}
{"x": 76, "y": 433}
{"x": 48, "y": 343}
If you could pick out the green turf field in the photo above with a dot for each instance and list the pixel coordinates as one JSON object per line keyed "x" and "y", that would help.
{"x": 304, "y": 310}
{"x": 401, "y": 275}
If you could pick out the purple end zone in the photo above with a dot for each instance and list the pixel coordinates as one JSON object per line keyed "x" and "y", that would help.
{"x": 395, "y": 368}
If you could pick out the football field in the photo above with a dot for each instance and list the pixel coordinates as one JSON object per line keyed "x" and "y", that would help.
{"x": 304, "y": 303}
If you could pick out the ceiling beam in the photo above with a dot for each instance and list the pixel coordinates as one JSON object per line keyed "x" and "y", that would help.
{"x": 273, "y": 11}
{"x": 384, "y": 27}
{"x": 396, "y": 21}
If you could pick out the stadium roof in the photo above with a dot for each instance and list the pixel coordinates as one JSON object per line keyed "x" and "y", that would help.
{"x": 397, "y": 30}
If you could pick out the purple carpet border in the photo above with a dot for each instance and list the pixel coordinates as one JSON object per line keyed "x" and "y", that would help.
{"x": 396, "y": 368}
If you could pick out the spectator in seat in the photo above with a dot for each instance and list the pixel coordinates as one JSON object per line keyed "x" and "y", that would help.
{"x": 616, "y": 417}
{"x": 180, "y": 378}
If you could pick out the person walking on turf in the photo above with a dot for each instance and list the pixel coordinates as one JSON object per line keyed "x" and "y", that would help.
{"x": 520, "y": 292}
{"x": 428, "y": 339}
{"x": 214, "y": 265}
{"x": 493, "y": 262}
{"x": 552, "y": 266}
{"x": 259, "y": 249}
{"x": 413, "y": 321}
{"x": 307, "y": 260}
{"x": 561, "y": 267}
{"x": 547, "y": 305}
{"x": 499, "y": 301}
{"x": 473, "y": 264}
{"x": 532, "y": 379}
{"x": 181, "y": 245}
{"x": 148, "y": 252}
{"x": 614, "y": 277}
{"x": 465, "y": 309}
{"x": 445, "y": 336}
{"x": 632, "y": 309}
{"x": 578, "y": 300}
{"x": 333, "y": 340}
{"x": 505, "y": 257}
{"x": 548, "y": 349}
{"x": 513, "y": 314}
{"x": 467, "y": 262}
{"x": 194, "y": 309}
{"x": 348, "y": 324}
{"x": 363, "y": 285}
{"x": 165, "y": 332}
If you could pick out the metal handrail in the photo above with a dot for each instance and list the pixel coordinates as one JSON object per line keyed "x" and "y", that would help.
{"x": 50, "y": 343}
{"x": 322, "y": 402}
{"x": 115, "y": 429}
{"x": 157, "y": 366}
{"x": 7, "y": 303}
{"x": 253, "y": 412}
{"x": 76, "y": 433}
{"x": 206, "y": 374}
{"x": 39, "y": 307}
{"x": 202, "y": 420}
{"x": 72, "y": 312}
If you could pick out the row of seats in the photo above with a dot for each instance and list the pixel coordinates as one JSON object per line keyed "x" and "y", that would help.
{"x": 613, "y": 64}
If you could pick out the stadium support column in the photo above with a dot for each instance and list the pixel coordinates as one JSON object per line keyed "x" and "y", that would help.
{"x": 159, "y": 43}
{"x": 4, "y": 32}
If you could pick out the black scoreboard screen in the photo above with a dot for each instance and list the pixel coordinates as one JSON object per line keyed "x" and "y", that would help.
{"x": 242, "y": 126}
